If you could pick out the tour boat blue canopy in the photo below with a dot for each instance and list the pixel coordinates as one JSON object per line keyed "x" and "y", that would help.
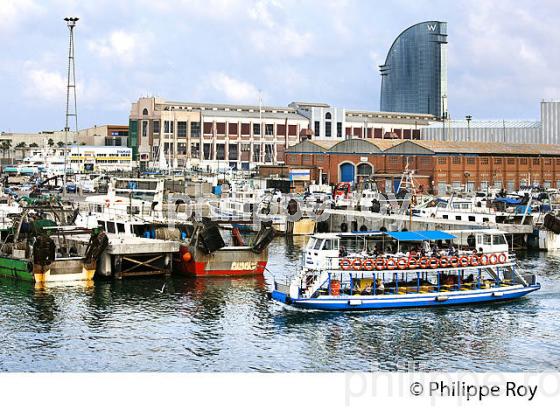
{"x": 508, "y": 201}
{"x": 419, "y": 236}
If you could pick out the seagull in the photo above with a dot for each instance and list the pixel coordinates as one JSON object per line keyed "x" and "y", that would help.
{"x": 162, "y": 288}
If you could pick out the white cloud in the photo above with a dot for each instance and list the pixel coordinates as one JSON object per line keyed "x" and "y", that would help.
{"x": 45, "y": 85}
{"x": 233, "y": 89}
{"x": 121, "y": 46}
{"x": 13, "y": 12}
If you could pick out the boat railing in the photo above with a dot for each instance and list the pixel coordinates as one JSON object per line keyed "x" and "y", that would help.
{"x": 400, "y": 262}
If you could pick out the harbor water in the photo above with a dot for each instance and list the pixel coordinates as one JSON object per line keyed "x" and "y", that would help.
{"x": 183, "y": 324}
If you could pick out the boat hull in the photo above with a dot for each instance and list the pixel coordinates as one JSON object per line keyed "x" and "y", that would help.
{"x": 408, "y": 300}
{"x": 69, "y": 270}
{"x": 228, "y": 261}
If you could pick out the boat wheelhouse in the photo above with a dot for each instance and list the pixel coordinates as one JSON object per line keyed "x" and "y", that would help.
{"x": 375, "y": 270}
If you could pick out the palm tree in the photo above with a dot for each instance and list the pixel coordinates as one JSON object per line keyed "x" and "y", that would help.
{"x": 21, "y": 145}
{"x": 60, "y": 144}
{"x": 5, "y": 146}
{"x": 50, "y": 142}
{"x": 33, "y": 145}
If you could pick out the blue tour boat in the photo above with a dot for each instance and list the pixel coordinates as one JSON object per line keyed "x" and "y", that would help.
{"x": 379, "y": 270}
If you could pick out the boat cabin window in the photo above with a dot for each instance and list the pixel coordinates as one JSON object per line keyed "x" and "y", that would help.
{"x": 120, "y": 227}
{"x": 317, "y": 244}
{"x": 499, "y": 240}
{"x": 330, "y": 244}
{"x": 101, "y": 224}
{"x": 110, "y": 227}
{"x": 487, "y": 240}
{"x": 458, "y": 217}
{"x": 472, "y": 219}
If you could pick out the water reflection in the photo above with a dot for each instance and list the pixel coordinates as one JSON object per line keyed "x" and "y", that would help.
{"x": 229, "y": 324}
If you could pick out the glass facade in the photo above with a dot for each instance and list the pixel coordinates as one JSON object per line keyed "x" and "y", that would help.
{"x": 414, "y": 76}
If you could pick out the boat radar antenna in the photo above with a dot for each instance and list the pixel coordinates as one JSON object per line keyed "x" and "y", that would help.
{"x": 70, "y": 85}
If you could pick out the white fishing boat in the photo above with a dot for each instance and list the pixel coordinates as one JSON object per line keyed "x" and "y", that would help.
{"x": 378, "y": 270}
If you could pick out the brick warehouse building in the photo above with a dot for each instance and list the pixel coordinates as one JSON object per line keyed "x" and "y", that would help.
{"x": 437, "y": 164}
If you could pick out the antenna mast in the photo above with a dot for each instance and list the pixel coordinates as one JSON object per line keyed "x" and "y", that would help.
{"x": 70, "y": 85}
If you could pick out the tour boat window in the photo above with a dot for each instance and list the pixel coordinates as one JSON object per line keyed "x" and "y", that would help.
{"x": 487, "y": 240}
{"x": 317, "y": 245}
{"x": 458, "y": 217}
{"x": 445, "y": 216}
{"x": 312, "y": 242}
{"x": 329, "y": 245}
{"x": 485, "y": 220}
{"x": 111, "y": 227}
{"x": 472, "y": 219}
{"x": 499, "y": 240}
{"x": 120, "y": 228}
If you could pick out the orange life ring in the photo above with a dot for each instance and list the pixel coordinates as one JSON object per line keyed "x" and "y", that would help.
{"x": 413, "y": 263}
{"x": 391, "y": 264}
{"x": 474, "y": 260}
{"x": 434, "y": 263}
{"x": 464, "y": 261}
{"x": 368, "y": 264}
{"x": 345, "y": 264}
{"x": 380, "y": 263}
{"x": 402, "y": 263}
{"x": 493, "y": 259}
{"x": 454, "y": 261}
{"x": 424, "y": 262}
{"x": 483, "y": 259}
{"x": 443, "y": 262}
{"x": 357, "y": 264}
{"x": 502, "y": 258}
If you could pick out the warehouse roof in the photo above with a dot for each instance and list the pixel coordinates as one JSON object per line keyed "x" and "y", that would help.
{"x": 421, "y": 147}
{"x": 488, "y": 124}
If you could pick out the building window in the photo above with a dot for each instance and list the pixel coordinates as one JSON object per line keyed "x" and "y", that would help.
{"x": 510, "y": 186}
{"x": 220, "y": 128}
{"x": 256, "y": 153}
{"x": 232, "y": 128}
{"x": 257, "y": 129}
{"x": 245, "y": 129}
{"x": 232, "y": 154}
{"x": 511, "y": 161}
{"x": 144, "y": 128}
{"x": 328, "y": 116}
{"x": 470, "y": 161}
{"x": 364, "y": 170}
{"x": 220, "y": 152}
{"x": 269, "y": 129}
{"x": 547, "y": 161}
{"x": 195, "y": 129}
{"x": 168, "y": 127}
{"x": 156, "y": 126}
{"x": 145, "y": 111}
{"x": 338, "y": 130}
{"x": 245, "y": 147}
{"x": 317, "y": 128}
{"x": 536, "y": 161}
{"x": 207, "y": 151}
{"x": 181, "y": 129}
{"x": 268, "y": 153}
{"x": 327, "y": 129}
{"x": 442, "y": 161}
{"x": 207, "y": 128}
{"x": 195, "y": 149}
{"x": 181, "y": 147}
{"x": 523, "y": 161}
{"x": 497, "y": 161}
{"x": 484, "y": 161}
{"x": 456, "y": 160}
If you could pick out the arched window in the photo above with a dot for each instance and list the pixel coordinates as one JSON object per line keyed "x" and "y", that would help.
{"x": 365, "y": 169}
{"x": 145, "y": 112}
{"x": 328, "y": 125}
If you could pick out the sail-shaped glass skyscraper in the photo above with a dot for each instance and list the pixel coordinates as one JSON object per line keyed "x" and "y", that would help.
{"x": 414, "y": 76}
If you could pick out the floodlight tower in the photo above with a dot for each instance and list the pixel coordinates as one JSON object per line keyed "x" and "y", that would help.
{"x": 70, "y": 85}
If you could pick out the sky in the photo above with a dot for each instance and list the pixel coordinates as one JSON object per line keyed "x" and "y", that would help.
{"x": 503, "y": 55}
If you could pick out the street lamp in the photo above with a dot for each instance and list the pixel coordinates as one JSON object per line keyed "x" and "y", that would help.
{"x": 443, "y": 114}
{"x": 468, "y": 118}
